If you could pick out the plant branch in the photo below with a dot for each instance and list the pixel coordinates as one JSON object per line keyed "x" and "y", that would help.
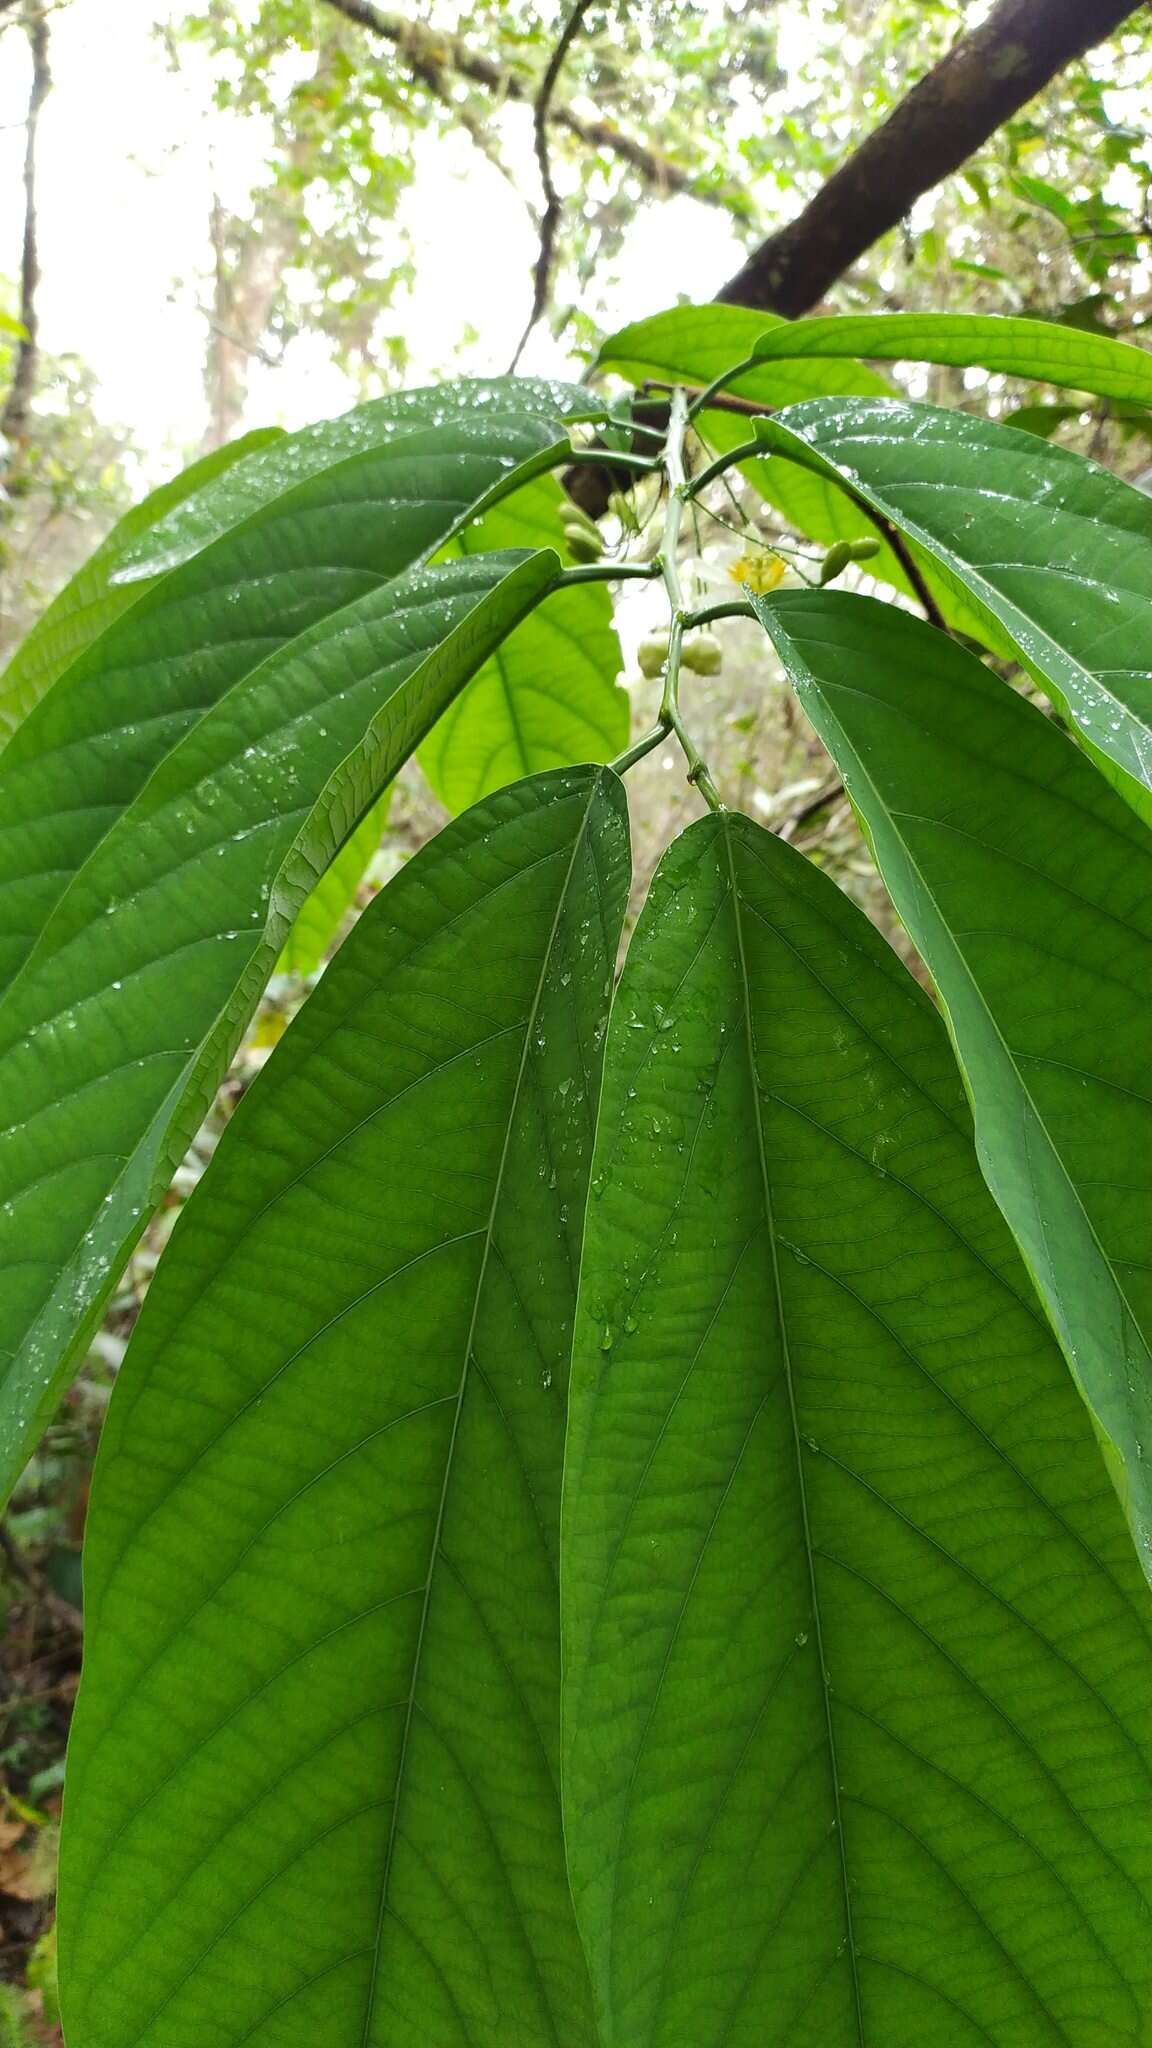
{"x": 553, "y": 204}
{"x": 17, "y": 406}
{"x": 982, "y": 82}
{"x": 435, "y": 59}
{"x": 669, "y": 715}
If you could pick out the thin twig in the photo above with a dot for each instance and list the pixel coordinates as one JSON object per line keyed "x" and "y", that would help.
{"x": 17, "y": 406}
{"x": 553, "y": 204}
{"x": 792, "y": 823}
{"x": 429, "y": 56}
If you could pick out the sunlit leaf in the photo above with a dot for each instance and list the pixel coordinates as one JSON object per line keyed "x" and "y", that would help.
{"x": 313, "y": 1781}
{"x": 549, "y": 696}
{"x": 858, "y": 1667}
{"x": 1026, "y": 884}
{"x": 1017, "y": 348}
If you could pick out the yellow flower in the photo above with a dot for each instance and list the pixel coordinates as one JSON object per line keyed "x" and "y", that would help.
{"x": 758, "y": 570}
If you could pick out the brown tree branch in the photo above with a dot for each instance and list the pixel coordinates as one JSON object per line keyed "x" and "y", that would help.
{"x": 436, "y": 59}
{"x": 553, "y": 204}
{"x": 985, "y": 78}
{"x": 17, "y": 406}
{"x": 982, "y": 82}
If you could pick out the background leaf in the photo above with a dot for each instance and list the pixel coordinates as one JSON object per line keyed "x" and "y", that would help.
{"x": 1017, "y": 348}
{"x": 313, "y": 1778}
{"x": 1027, "y": 887}
{"x": 549, "y": 696}
{"x": 857, "y": 1656}
{"x": 695, "y": 344}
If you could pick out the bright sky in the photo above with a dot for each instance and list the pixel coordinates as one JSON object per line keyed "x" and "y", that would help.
{"x": 130, "y": 152}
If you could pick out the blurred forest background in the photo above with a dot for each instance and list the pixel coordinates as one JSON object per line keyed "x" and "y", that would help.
{"x": 220, "y": 219}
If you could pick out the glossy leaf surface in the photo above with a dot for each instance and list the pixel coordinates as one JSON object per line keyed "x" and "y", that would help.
{"x": 1026, "y": 885}
{"x": 90, "y": 602}
{"x": 119, "y": 1026}
{"x": 549, "y": 696}
{"x": 1052, "y": 549}
{"x": 313, "y": 1779}
{"x": 858, "y": 1713}
{"x": 499, "y": 403}
{"x": 1038, "y": 349}
{"x": 78, "y": 761}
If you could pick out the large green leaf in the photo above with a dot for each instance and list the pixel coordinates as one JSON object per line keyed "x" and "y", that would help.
{"x": 88, "y": 748}
{"x": 549, "y": 695}
{"x": 696, "y": 344}
{"x": 1027, "y": 886}
{"x": 253, "y": 485}
{"x": 858, "y": 1667}
{"x": 1017, "y": 348}
{"x": 91, "y": 601}
{"x": 121, "y": 1021}
{"x": 1050, "y": 548}
{"x": 313, "y": 1781}
{"x": 323, "y": 911}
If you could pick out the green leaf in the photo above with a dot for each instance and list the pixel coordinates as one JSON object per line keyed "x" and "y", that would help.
{"x": 549, "y": 696}
{"x": 91, "y": 744}
{"x": 1047, "y": 546}
{"x": 121, "y": 1022}
{"x": 696, "y": 344}
{"x": 857, "y": 1657}
{"x": 498, "y": 403}
{"x": 91, "y": 601}
{"x": 313, "y": 1780}
{"x": 1027, "y": 887}
{"x": 323, "y": 912}
{"x": 1041, "y": 419}
{"x": 1016, "y": 348}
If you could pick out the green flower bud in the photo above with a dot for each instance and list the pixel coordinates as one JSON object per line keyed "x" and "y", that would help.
{"x": 836, "y": 560}
{"x": 703, "y": 653}
{"x": 652, "y": 655}
{"x": 582, "y": 545}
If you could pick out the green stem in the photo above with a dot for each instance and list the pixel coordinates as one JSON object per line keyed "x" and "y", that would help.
{"x": 631, "y": 755}
{"x": 727, "y": 608}
{"x": 718, "y": 383}
{"x": 679, "y": 492}
{"x": 608, "y": 572}
{"x": 607, "y": 458}
{"x": 744, "y": 453}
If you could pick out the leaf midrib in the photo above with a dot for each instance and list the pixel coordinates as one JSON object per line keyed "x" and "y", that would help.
{"x": 434, "y": 1547}
{"x": 727, "y": 830}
